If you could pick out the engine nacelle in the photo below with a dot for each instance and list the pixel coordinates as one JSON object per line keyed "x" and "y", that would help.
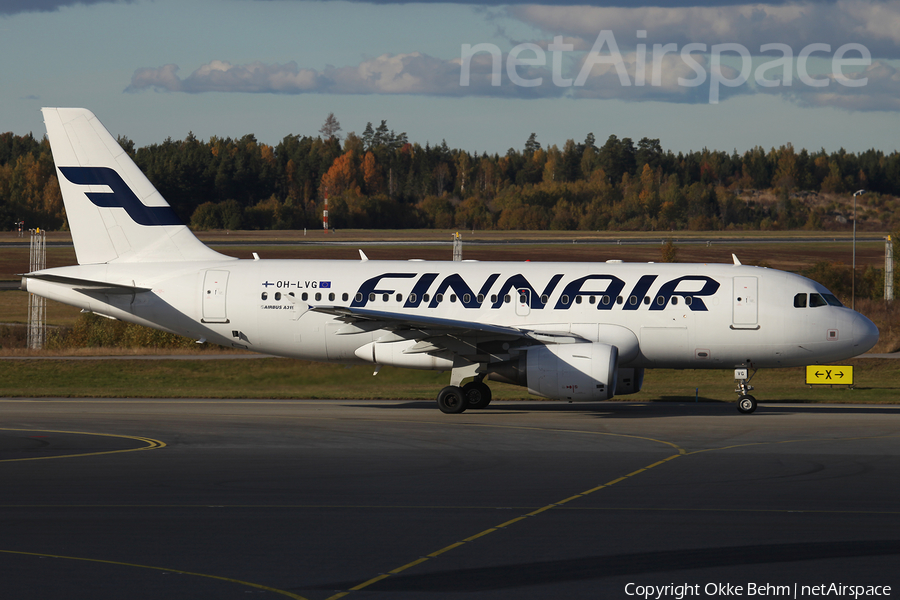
{"x": 629, "y": 381}
{"x": 580, "y": 372}
{"x": 393, "y": 353}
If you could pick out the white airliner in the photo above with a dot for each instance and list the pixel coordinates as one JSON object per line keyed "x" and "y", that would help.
{"x": 569, "y": 331}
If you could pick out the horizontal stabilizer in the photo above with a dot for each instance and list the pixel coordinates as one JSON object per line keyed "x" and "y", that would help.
{"x": 86, "y": 285}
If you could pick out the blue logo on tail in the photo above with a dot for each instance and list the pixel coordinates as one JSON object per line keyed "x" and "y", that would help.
{"x": 120, "y": 197}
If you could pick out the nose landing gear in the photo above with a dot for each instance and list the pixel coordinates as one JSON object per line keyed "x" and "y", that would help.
{"x": 746, "y": 403}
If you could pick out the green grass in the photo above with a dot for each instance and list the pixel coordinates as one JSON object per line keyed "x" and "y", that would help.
{"x": 877, "y": 381}
{"x": 14, "y": 309}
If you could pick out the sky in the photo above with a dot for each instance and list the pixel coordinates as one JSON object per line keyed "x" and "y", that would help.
{"x": 718, "y": 74}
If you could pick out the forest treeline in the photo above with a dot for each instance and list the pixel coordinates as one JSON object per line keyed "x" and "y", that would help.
{"x": 380, "y": 179}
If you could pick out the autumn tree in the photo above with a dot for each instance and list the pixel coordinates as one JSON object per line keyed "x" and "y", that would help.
{"x": 668, "y": 253}
{"x": 371, "y": 175}
{"x": 342, "y": 176}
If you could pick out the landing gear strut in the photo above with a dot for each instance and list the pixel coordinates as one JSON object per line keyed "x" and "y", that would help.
{"x": 746, "y": 403}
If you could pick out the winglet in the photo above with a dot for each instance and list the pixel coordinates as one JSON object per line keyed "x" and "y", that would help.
{"x": 737, "y": 263}
{"x": 362, "y": 256}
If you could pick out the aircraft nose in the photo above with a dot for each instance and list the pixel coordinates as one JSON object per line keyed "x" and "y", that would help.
{"x": 865, "y": 334}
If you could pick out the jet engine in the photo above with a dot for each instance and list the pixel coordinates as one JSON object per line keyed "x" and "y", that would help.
{"x": 579, "y": 372}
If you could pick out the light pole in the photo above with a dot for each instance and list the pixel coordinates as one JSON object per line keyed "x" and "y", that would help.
{"x": 853, "y": 275}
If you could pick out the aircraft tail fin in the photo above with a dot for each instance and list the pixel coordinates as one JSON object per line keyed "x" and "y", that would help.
{"x": 114, "y": 212}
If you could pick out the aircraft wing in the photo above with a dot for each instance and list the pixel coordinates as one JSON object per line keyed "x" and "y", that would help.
{"x": 436, "y": 333}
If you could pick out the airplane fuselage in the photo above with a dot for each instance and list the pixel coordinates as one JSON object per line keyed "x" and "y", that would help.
{"x": 658, "y": 315}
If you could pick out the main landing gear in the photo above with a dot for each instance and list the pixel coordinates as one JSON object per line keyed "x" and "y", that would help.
{"x": 454, "y": 399}
{"x": 746, "y": 403}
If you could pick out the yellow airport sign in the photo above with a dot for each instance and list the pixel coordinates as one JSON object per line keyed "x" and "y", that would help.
{"x": 829, "y": 375}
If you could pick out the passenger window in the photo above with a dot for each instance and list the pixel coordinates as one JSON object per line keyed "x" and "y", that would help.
{"x": 480, "y": 298}
{"x": 565, "y": 299}
{"x": 425, "y": 297}
{"x": 331, "y": 297}
{"x": 385, "y": 297}
{"x": 345, "y": 296}
{"x": 506, "y": 298}
{"x": 620, "y": 300}
{"x": 467, "y": 298}
{"x": 412, "y": 299}
{"x": 399, "y": 297}
{"x": 591, "y": 299}
{"x": 452, "y": 297}
{"x": 577, "y": 299}
{"x": 278, "y": 295}
{"x": 358, "y": 297}
{"x": 674, "y": 300}
{"x": 265, "y": 296}
{"x": 605, "y": 300}
{"x": 318, "y": 296}
{"x": 544, "y": 299}
{"x": 304, "y": 296}
{"x": 800, "y": 301}
{"x": 372, "y": 297}
{"x": 660, "y": 300}
{"x": 493, "y": 297}
{"x": 688, "y": 300}
{"x": 816, "y": 300}
{"x": 439, "y": 298}
{"x": 646, "y": 299}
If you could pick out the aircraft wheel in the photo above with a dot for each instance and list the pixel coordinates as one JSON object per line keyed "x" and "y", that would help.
{"x": 478, "y": 394}
{"x": 746, "y": 404}
{"x": 451, "y": 400}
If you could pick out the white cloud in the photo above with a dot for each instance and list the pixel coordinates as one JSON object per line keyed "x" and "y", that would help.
{"x": 881, "y": 91}
{"x": 221, "y": 76}
{"x": 413, "y": 73}
{"x": 875, "y": 23}
{"x": 677, "y": 76}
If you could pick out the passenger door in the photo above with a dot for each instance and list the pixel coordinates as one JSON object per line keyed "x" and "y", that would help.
{"x": 745, "y": 303}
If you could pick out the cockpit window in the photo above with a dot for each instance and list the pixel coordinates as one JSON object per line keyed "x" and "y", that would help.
{"x": 832, "y": 300}
{"x": 816, "y": 300}
{"x": 800, "y": 301}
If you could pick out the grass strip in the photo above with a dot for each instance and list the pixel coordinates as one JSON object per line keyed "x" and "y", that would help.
{"x": 877, "y": 381}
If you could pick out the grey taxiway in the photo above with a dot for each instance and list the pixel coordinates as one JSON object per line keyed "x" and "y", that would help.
{"x": 383, "y": 499}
